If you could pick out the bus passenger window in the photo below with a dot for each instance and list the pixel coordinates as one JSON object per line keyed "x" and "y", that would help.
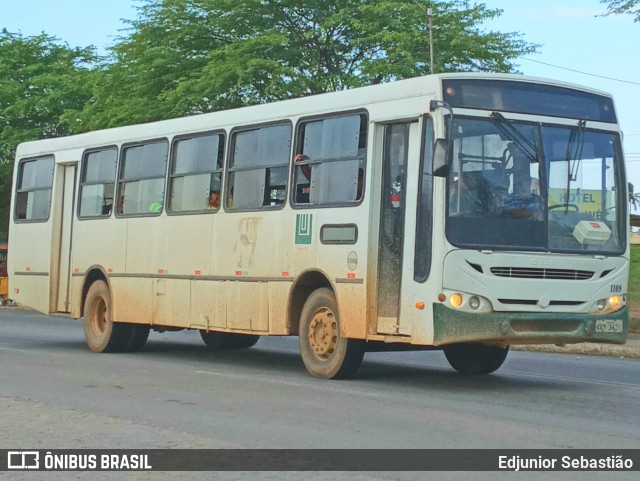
{"x": 330, "y": 163}
{"x": 141, "y": 179}
{"x": 98, "y": 180}
{"x": 196, "y": 173}
{"x": 257, "y": 170}
{"x": 33, "y": 193}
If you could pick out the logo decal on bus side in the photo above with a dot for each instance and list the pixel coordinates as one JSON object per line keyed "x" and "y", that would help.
{"x": 304, "y": 228}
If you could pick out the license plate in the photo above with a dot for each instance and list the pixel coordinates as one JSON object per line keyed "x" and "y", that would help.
{"x": 608, "y": 325}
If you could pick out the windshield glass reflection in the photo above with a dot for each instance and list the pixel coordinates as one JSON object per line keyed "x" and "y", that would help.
{"x": 531, "y": 186}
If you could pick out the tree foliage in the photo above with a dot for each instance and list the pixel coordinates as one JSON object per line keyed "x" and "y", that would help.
{"x": 182, "y": 57}
{"x": 616, "y": 7}
{"x": 41, "y": 81}
{"x": 5, "y": 198}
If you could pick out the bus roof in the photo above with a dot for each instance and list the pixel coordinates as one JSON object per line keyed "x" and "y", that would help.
{"x": 311, "y": 105}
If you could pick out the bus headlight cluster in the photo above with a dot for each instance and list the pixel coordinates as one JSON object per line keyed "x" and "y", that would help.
{"x": 457, "y": 300}
{"x": 611, "y": 303}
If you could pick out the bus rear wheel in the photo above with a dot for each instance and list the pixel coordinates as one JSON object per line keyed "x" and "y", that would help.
{"x": 325, "y": 352}
{"x": 100, "y": 332}
{"x": 227, "y": 340}
{"x": 475, "y": 358}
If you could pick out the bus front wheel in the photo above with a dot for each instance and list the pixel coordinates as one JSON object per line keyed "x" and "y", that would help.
{"x": 475, "y": 358}
{"x": 100, "y": 332}
{"x": 325, "y": 352}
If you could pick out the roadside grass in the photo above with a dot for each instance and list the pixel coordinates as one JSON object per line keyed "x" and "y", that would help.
{"x": 633, "y": 294}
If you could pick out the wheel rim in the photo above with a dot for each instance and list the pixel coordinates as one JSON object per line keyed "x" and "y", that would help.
{"x": 323, "y": 333}
{"x": 99, "y": 316}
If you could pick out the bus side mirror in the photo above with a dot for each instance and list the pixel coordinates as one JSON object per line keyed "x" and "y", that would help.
{"x": 440, "y": 158}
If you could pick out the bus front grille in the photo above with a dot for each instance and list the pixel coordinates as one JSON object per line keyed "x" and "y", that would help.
{"x": 542, "y": 273}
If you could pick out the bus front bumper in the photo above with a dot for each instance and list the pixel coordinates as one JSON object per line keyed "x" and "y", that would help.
{"x": 513, "y": 328}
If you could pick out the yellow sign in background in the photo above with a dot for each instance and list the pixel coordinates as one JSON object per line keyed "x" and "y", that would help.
{"x": 588, "y": 201}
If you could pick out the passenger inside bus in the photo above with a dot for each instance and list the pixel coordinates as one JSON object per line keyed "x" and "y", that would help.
{"x": 488, "y": 185}
{"x": 472, "y": 195}
{"x": 482, "y": 193}
{"x": 106, "y": 209}
{"x": 214, "y": 199}
{"x": 303, "y": 189}
{"x": 524, "y": 201}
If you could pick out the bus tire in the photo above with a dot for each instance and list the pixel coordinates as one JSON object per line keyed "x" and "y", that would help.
{"x": 475, "y": 358}
{"x": 138, "y": 337}
{"x": 100, "y": 332}
{"x": 241, "y": 341}
{"x": 227, "y": 340}
{"x": 325, "y": 352}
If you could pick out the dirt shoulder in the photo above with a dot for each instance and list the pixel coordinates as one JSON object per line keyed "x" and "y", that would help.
{"x": 634, "y": 316}
{"x": 630, "y": 350}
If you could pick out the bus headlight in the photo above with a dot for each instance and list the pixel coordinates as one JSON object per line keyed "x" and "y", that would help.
{"x": 615, "y": 302}
{"x": 455, "y": 300}
{"x": 610, "y": 304}
{"x": 474, "y": 303}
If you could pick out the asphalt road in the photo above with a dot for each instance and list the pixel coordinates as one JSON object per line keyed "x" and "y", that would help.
{"x": 177, "y": 393}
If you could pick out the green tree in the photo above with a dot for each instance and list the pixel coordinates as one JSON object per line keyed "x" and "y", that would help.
{"x": 183, "y": 57}
{"x": 616, "y": 7}
{"x": 5, "y": 198}
{"x": 41, "y": 82}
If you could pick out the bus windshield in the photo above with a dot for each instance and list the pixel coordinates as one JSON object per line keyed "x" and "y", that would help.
{"x": 535, "y": 186}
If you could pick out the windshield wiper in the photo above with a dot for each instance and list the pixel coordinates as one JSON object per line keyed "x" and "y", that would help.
{"x": 531, "y": 150}
{"x": 574, "y": 156}
{"x": 574, "y": 150}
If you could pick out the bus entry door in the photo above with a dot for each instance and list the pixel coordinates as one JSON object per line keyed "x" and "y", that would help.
{"x": 62, "y": 274}
{"x": 401, "y": 142}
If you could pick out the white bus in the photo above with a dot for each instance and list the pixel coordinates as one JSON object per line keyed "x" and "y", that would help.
{"x": 463, "y": 212}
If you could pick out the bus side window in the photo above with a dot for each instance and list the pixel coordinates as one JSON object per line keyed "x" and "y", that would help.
{"x": 141, "y": 179}
{"x": 97, "y": 184}
{"x": 330, "y": 163}
{"x": 196, "y": 173}
{"x": 33, "y": 193}
{"x": 257, "y": 169}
